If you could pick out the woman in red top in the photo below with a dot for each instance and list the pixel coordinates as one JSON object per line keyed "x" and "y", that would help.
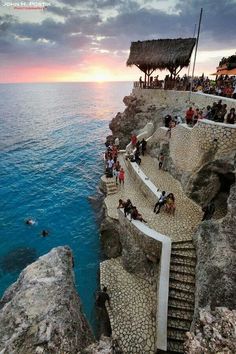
{"x": 122, "y": 176}
{"x": 134, "y": 140}
{"x": 189, "y": 115}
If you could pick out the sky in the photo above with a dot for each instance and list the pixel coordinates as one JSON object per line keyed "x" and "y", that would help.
{"x": 89, "y": 40}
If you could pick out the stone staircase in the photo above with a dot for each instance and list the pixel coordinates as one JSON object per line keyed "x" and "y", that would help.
{"x": 111, "y": 186}
{"x": 181, "y": 294}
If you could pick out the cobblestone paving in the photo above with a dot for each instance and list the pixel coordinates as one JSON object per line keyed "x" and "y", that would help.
{"x": 133, "y": 308}
{"x": 179, "y": 227}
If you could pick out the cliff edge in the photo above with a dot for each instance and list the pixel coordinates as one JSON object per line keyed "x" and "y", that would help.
{"x": 41, "y": 312}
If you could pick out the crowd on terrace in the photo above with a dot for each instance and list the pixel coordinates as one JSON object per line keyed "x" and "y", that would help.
{"x": 224, "y": 85}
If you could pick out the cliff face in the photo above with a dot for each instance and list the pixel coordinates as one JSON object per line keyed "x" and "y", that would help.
{"x": 137, "y": 114}
{"x": 41, "y": 312}
{"x": 215, "y": 332}
{"x": 215, "y": 243}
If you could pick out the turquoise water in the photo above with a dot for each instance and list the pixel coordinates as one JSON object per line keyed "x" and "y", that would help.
{"x": 52, "y": 139}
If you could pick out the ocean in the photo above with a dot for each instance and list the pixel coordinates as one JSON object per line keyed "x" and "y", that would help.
{"x": 52, "y": 140}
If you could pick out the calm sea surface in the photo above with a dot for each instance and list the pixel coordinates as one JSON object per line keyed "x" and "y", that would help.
{"x": 52, "y": 139}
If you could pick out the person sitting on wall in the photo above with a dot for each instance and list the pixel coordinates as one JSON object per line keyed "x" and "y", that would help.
{"x": 160, "y": 203}
{"x": 220, "y": 116}
{"x": 231, "y": 117}
{"x": 128, "y": 206}
{"x": 121, "y": 204}
{"x": 170, "y": 204}
{"x": 135, "y": 215}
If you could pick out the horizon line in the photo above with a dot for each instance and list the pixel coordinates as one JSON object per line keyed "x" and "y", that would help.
{"x": 63, "y": 82}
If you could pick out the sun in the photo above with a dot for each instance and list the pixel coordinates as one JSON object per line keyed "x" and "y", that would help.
{"x": 101, "y": 76}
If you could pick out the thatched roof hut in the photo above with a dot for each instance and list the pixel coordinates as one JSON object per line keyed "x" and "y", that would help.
{"x": 170, "y": 54}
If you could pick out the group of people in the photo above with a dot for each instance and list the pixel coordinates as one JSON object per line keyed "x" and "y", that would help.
{"x": 31, "y": 222}
{"x": 217, "y": 112}
{"x": 167, "y": 201}
{"x": 131, "y": 210}
{"x": 224, "y": 86}
{"x": 113, "y": 167}
{"x": 137, "y": 148}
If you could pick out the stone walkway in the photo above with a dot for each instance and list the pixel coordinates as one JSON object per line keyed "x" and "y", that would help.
{"x": 133, "y": 309}
{"x": 133, "y": 299}
{"x": 179, "y": 227}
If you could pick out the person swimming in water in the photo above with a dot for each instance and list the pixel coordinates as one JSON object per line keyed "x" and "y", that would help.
{"x": 30, "y": 222}
{"x": 44, "y": 233}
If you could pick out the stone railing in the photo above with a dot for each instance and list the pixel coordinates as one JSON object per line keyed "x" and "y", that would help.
{"x": 181, "y": 99}
{"x": 143, "y": 182}
{"x": 144, "y": 133}
{"x": 207, "y": 140}
{"x": 143, "y": 230}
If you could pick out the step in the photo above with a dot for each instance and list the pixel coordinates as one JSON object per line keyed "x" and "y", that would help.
{"x": 176, "y": 334}
{"x": 112, "y": 188}
{"x": 176, "y": 284}
{"x": 190, "y": 254}
{"x": 182, "y": 295}
{"x": 182, "y": 242}
{"x": 183, "y": 246}
{"x": 175, "y": 346}
{"x": 181, "y": 304}
{"x": 183, "y": 269}
{"x": 180, "y": 314}
{"x": 111, "y": 192}
{"x": 182, "y": 260}
{"x": 185, "y": 278}
{"x": 179, "y": 324}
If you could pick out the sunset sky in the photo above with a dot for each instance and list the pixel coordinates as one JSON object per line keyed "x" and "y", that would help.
{"x": 89, "y": 40}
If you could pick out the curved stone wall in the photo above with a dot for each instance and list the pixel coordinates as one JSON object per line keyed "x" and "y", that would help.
{"x": 192, "y": 147}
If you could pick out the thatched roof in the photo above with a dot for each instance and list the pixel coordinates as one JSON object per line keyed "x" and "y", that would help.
{"x": 161, "y": 53}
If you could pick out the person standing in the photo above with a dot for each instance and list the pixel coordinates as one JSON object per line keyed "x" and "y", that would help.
{"x": 189, "y": 115}
{"x": 143, "y": 146}
{"x": 161, "y": 160}
{"x": 117, "y": 142}
{"x": 122, "y": 176}
{"x": 134, "y": 140}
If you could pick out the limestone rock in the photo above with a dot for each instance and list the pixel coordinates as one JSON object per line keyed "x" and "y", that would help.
{"x": 215, "y": 243}
{"x": 136, "y": 115}
{"x": 215, "y": 332}
{"x": 104, "y": 346}
{"x": 41, "y": 311}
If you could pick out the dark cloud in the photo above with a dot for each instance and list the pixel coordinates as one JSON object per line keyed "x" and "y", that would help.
{"x": 119, "y": 22}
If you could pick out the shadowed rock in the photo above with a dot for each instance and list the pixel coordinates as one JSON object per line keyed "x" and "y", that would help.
{"x": 17, "y": 259}
{"x": 41, "y": 312}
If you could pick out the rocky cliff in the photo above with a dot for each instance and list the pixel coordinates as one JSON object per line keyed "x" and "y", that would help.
{"x": 215, "y": 243}
{"x": 41, "y": 312}
{"x": 213, "y": 327}
{"x": 215, "y": 333}
{"x": 137, "y": 114}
